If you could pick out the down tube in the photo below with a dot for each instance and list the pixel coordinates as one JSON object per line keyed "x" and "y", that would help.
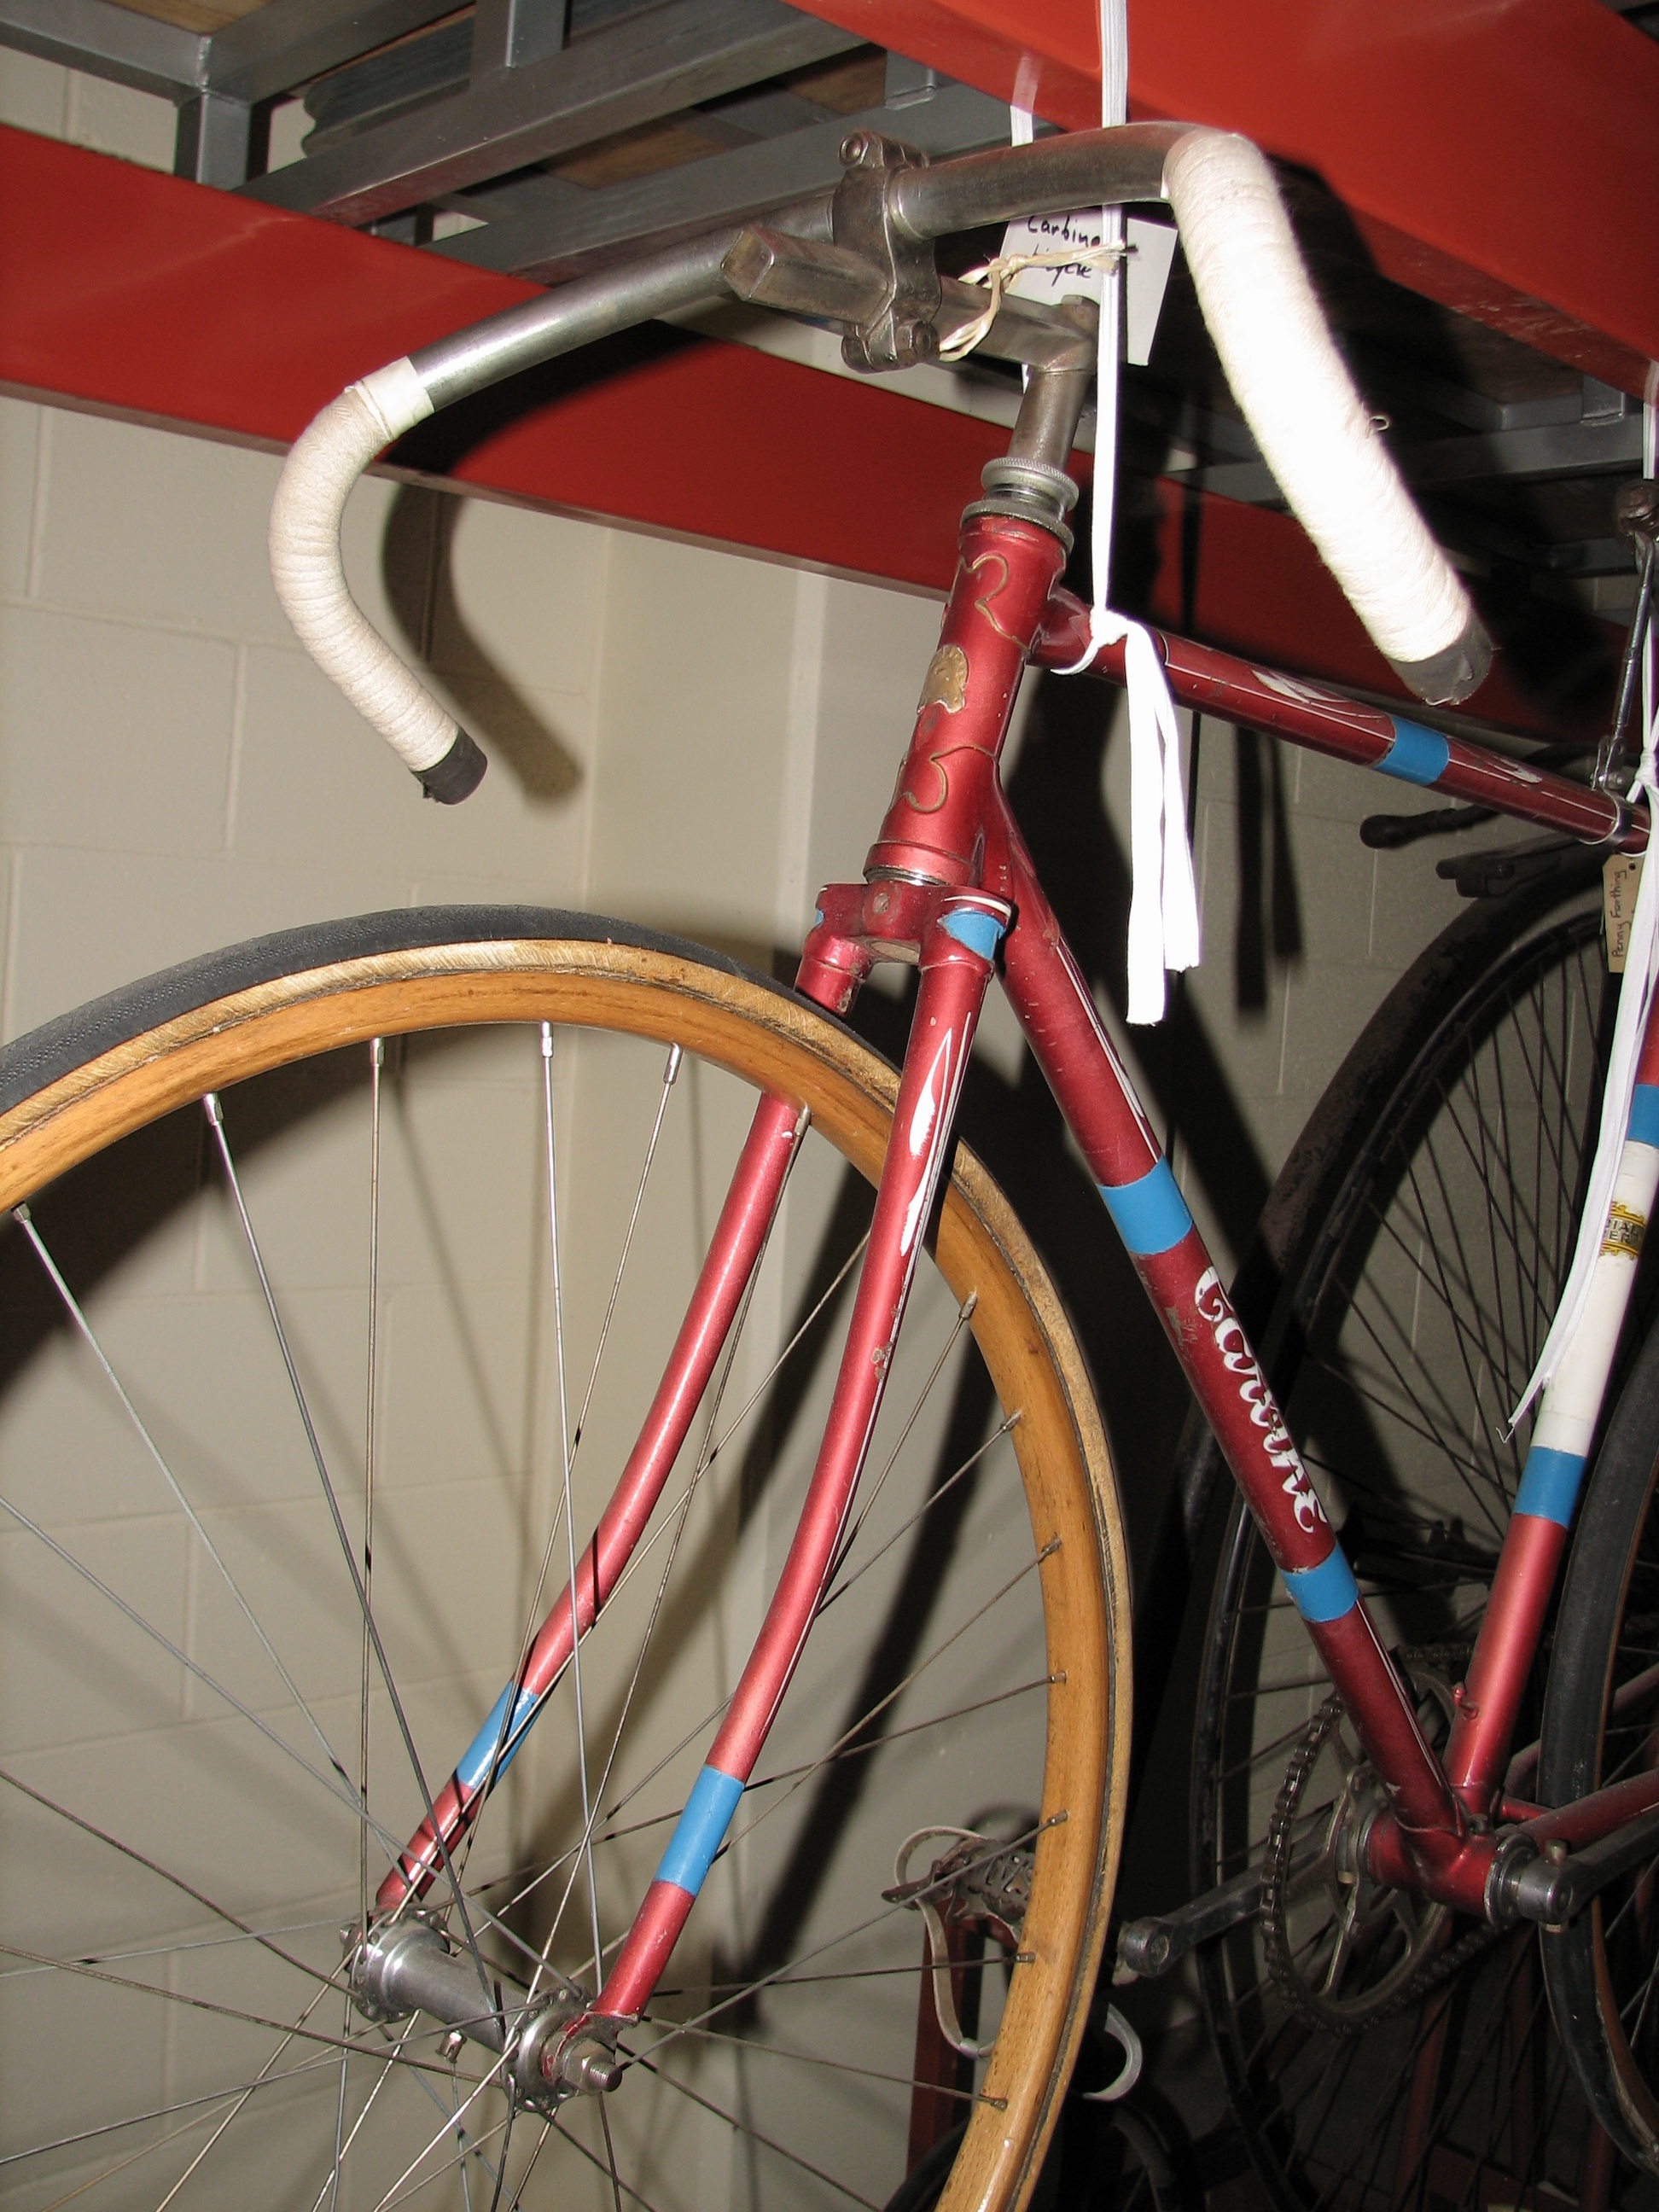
{"x": 1057, "y": 1013}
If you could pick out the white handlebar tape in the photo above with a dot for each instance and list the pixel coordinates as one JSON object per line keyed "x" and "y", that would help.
{"x": 305, "y": 565}
{"x": 1315, "y": 431}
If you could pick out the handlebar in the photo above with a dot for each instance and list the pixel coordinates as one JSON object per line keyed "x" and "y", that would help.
{"x": 866, "y": 262}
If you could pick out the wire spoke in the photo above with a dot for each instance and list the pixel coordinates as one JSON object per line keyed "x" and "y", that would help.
{"x": 752, "y": 2043}
{"x": 79, "y": 1966}
{"x": 839, "y": 1590}
{"x": 319, "y": 2063}
{"x": 342, "y": 1790}
{"x": 874, "y": 1712}
{"x": 381, "y": 2081}
{"x": 240, "y": 2105}
{"x": 162, "y": 1874}
{"x": 376, "y": 1066}
{"x": 216, "y": 1122}
{"x": 25, "y": 1221}
{"x": 569, "y": 1516}
{"x": 755, "y": 2135}
{"x": 421, "y": 2156}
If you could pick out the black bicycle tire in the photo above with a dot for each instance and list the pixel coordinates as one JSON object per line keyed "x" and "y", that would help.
{"x": 1613, "y": 1523}
{"x": 1324, "y": 1180}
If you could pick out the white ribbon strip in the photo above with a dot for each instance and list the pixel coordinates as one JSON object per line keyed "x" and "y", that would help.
{"x": 1650, "y": 468}
{"x": 1629, "y": 1026}
{"x": 1641, "y": 962}
{"x": 1164, "y": 903}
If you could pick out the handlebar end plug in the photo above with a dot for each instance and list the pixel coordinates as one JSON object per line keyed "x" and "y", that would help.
{"x": 457, "y": 775}
{"x": 1452, "y": 674}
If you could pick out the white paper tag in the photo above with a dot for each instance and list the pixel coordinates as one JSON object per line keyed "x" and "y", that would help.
{"x": 1152, "y": 250}
{"x": 1621, "y": 879}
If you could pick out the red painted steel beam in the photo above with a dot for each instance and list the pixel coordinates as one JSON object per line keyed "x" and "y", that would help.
{"x": 149, "y": 297}
{"x": 1503, "y": 159}
{"x": 141, "y": 295}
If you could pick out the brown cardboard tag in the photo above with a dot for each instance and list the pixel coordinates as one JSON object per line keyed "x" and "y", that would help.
{"x": 1621, "y": 876}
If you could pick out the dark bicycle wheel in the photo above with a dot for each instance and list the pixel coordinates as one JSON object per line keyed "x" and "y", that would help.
{"x": 1388, "y": 2054}
{"x": 1602, "y": 1724}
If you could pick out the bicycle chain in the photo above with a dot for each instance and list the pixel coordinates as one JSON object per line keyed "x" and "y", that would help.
{"x": 1275, "y": 1874}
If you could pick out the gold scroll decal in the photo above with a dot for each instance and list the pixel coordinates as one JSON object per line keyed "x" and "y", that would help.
{"x": 946, "y": 682}
{"x": 1623, "y": 1235}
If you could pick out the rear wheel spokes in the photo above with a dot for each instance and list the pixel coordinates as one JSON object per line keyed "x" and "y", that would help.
{"x": 1420, "y": 1305}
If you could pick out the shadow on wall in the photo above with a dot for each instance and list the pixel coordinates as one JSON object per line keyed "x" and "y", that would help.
{"x": 417, "y": 569}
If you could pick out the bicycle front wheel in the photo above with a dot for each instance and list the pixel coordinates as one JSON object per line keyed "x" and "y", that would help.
{"x": 335, "y": 1337}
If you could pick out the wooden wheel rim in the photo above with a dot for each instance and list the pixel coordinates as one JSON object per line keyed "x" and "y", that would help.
{"x": 765, "y": 1038}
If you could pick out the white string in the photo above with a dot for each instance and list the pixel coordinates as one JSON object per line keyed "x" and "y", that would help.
{"x": 1163, "y": 902}
{"x": 1000, "y": 273}
{"x": 1629, "y": 1027}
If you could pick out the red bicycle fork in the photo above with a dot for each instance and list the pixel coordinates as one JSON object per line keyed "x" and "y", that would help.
{"x": 956, "y": 954}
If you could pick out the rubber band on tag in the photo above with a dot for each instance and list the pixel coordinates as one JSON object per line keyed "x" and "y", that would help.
{"x": 1000, "y": 273}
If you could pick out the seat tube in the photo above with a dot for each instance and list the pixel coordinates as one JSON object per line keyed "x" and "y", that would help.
{"x": 1489, "y": 1699}
{"x": 957, "y": 956}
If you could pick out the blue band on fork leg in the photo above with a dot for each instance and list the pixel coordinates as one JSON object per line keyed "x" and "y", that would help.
{"x": 700, "y": 1830}
{"x": 980, "y": 931}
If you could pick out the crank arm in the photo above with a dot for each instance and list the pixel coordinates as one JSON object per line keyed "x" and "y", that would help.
{"x": 1149, "y": 1946}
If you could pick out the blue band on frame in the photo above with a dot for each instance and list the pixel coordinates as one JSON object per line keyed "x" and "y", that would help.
{"x": 700, "y": 1830}
{"x": 980, "y": 931}
{"x": 1549, "y": 1484}
{"x": 1149, "y": 1214}
{"x": 1417, "y": 755}
{"x": 1643, "y": 1128}
{"x": 1325, "y": 1592}
{"x": 476, "y": 1759}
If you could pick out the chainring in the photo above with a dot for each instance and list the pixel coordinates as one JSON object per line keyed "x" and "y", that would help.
{"x": 1372, "y": 1951}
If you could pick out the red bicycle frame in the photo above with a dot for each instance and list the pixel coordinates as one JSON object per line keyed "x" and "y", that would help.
{"x": 951, "y": 888}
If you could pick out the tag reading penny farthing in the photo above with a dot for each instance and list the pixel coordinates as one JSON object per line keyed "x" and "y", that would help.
{"x": 1621, "y": 877}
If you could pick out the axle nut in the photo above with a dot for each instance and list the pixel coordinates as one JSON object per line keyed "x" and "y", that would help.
{"x": 589, "y": 2067}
